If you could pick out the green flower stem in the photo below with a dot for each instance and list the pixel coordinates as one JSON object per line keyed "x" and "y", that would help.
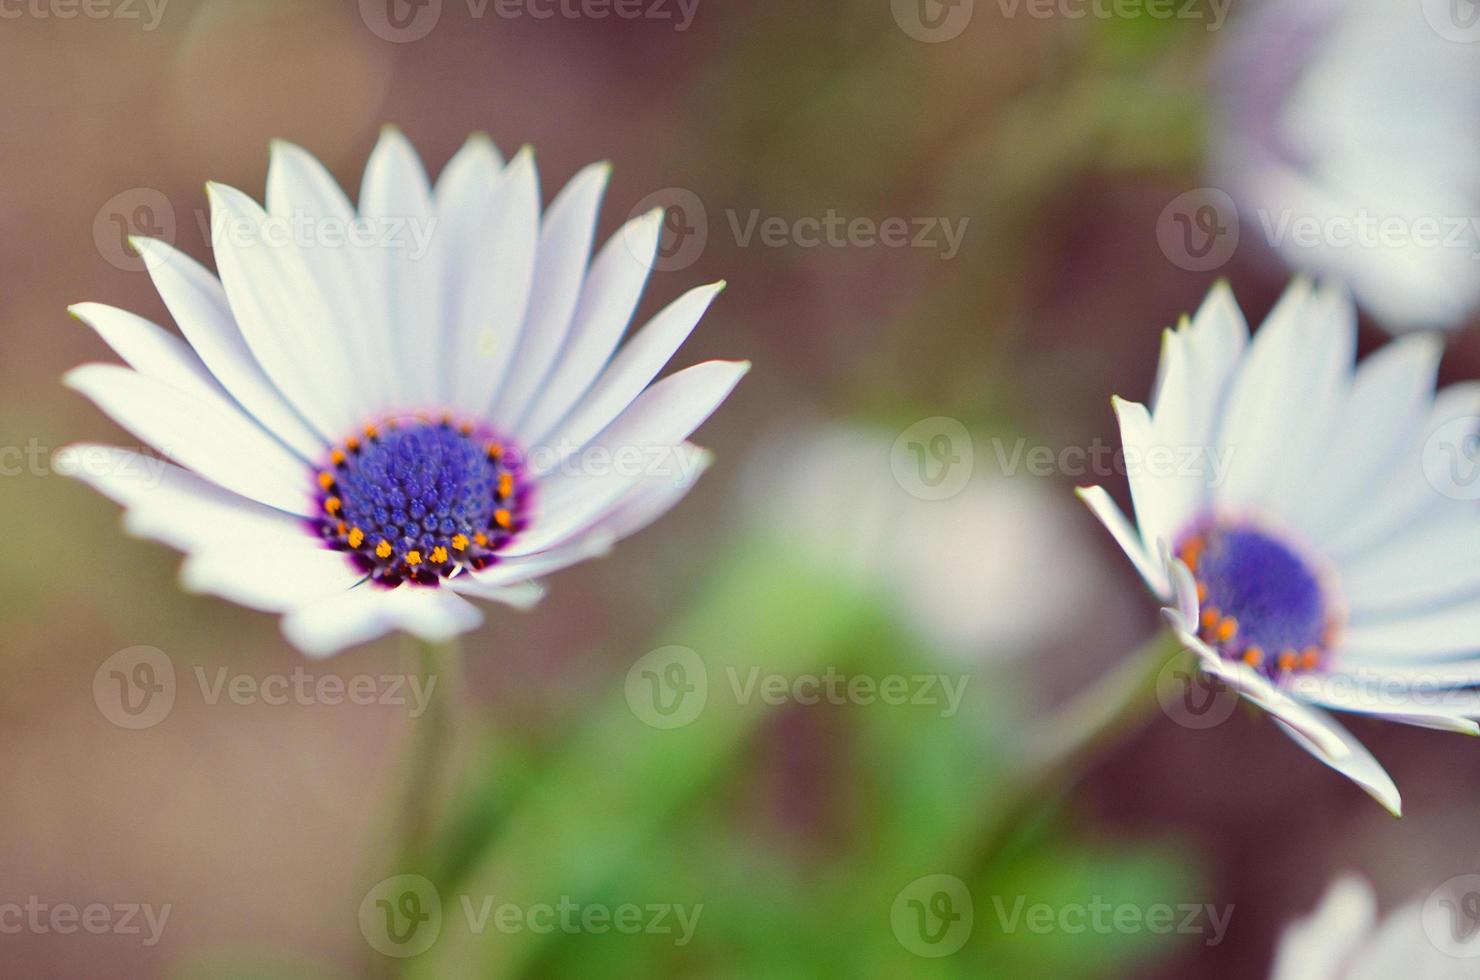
{"x": 1061, "y": 748}
{"x": 430, "y": 753}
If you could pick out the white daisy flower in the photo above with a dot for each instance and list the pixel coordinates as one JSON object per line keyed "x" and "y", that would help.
{"x": 1287, "y": 517}
{"x": 381, "y": 414}
{"x": 847, "y": 512}
{"x": 1344, "y": 940}
{"x": 1348, "y": 131}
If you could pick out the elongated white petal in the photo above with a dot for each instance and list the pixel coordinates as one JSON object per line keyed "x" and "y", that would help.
{"x": 300, "y": 190}
{"x": 1104, "y": 508}
{"x": 214, "y": 440}
{"x": 494, "y": 268}
{"x": 281, "y": 311}
{"x": 269, "y": 579}
{"x": 396, "y": 206}
{"x": 649, "y": 434}
{"x": 361, "y": 614}
{"x": 566, "y": 238}
{"x": 197, "y": 301}
{"x": 608, "y": 301}
{"x": 1448, "y": 630}
{"x": 1321, "y": 947}
{"x": 633, "y": 369}
{"x": 172, "y": 505}
{"x": 150, "y": 350}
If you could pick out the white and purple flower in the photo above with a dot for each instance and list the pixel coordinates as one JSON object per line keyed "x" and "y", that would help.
{"x": 368, "y": 434}
{"x": 1322, "y": 567}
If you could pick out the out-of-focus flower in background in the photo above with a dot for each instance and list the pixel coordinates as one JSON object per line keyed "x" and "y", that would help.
{"x": 1343, "y": 938}
{"x": 384, "y": 414}
{"x": 979, "y": 574}
{"x": 1347, "y": 131}
{"x": 1325, "y": 560}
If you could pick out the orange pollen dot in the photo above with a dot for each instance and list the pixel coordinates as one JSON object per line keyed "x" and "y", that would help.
{"x": 460, "y": 542}
{"x": 340, "y": 527}
{"x": 1254, "y": 656}
{"x": 1210, "y": 617}
{"x": 326, "y": 480}
{"x": 495, "y": 451}
{"x": 413, "y": 558}
{"x": 383, "y": 550}
{"x": 466, "y": 428}
{"x": 352, "y": 444}
{"x": 480, "y": 539}
{"x": 337, "y": 457}
{"x": 332, "y": 505}
{"x": 506, "y": 485}
{"x": 439, "y": 555}
{"x": 1227, "y": 629}
{"x": 1310, "y": 658}
{"x": 1287, "y": 660}
{"x": 1202, "y": 592}
{"x": 503, "y": 519}
{"x": 371, "y": 432}
{"x": 356, "y": 538}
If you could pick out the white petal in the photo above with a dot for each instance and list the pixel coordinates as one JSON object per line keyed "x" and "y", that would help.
{"x": 361, "y": 614}
{"x": 1448, "y": 630}
{"x": 1322, "y": 946}
{"x": 649, "y": 433}
{"x": 150, "y": 350}
{"x": 1104, "y": 508}
{"x": 633, "y": 369}
{"x": 1390, "y": 397}
{"x": 169, "y": 504}
{"x": 1161, "y": 512}
{"x": 1267, "y": 394}
{"x": 300, "y": 189}
{"x": 396, "y": 204}
{"x": 216, "y": 441}
{"x": 197, "y": 302}
{"x": 468, "y": 179}
{"x": 1355, "y": 762}
{"x": 566, "y": 236}
{"x": 1411, "y": 489}
{"x": 1433, "y": 564}
{"x": 282, "y": 312}
{"x": 269, "y": 579}
{"x": 607, "y": 303}
{"x": 491, "y": 271}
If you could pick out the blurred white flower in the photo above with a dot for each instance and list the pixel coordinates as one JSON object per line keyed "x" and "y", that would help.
{"x": 1343, "y": 940}
{"x": 976, "y": 574}
{"x": 1349, "y": 132}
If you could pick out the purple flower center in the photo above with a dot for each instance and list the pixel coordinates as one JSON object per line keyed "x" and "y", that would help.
{"x": 1260, "y": 600}
{"x": 421, "y": 501}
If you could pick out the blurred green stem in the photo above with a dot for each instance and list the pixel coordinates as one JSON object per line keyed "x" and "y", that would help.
{"x": 433, "y": 737}
{"x": 1063, "y": 746}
